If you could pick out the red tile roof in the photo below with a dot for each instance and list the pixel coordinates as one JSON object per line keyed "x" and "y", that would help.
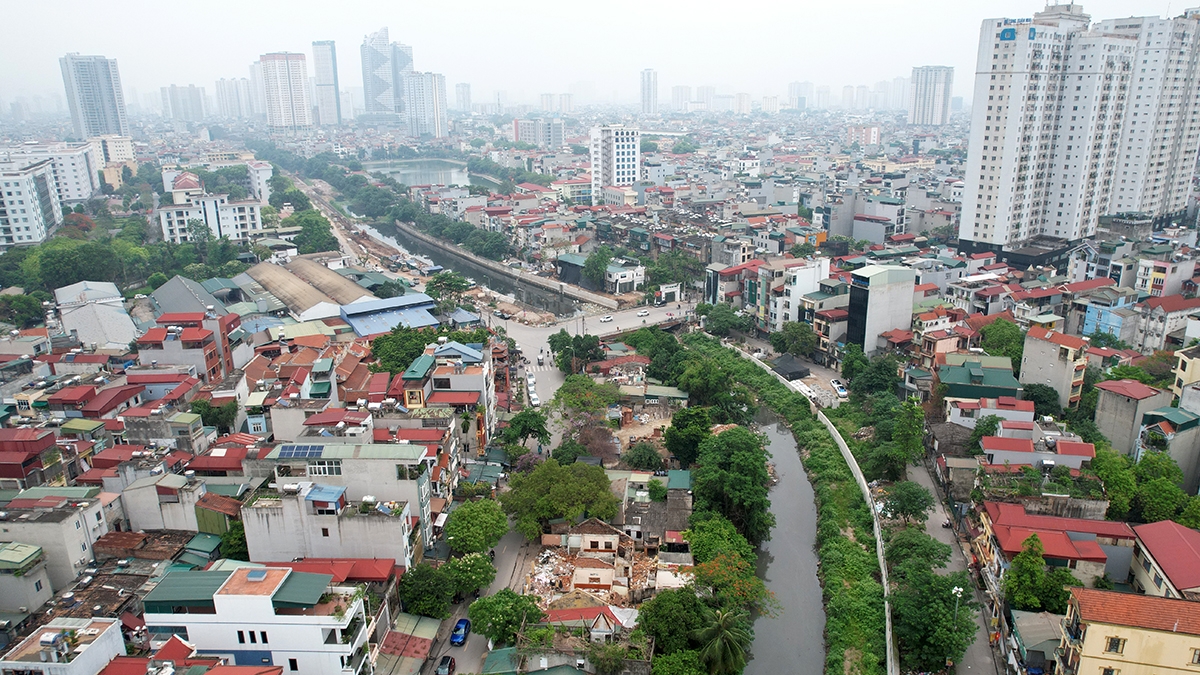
{"x": 1173, "y": 303}
{"x": 1014, "y": 515}
{"x": 1128, "y": 388}
{"x": 1076, "y": 448}
{"x": 1176, "y": 549}
{"x": 453, "y": 398}
{"x": 1056, "y": 544}
{"x": 344, "y": 569}
{"x": 997, "y": 443}
{"x": 1137, "y": 611}
{"x": 1039, "y": 333}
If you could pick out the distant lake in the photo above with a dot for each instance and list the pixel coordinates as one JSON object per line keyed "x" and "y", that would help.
{"x": 427, "y": 172}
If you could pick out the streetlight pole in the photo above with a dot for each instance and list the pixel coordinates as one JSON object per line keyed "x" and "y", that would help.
{"x": 957, "y": 592}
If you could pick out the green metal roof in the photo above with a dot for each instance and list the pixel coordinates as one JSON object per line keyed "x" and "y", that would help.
{"x": 14, "y": 556}
{"x": 185, "y": 418}
{"x": 184, "y": 588}
{"x": 234, "y": 490}
{"x": 419, "y": 368}
{"x": 572, "y": 259}
{"x": 501, "y": 661}
{"x": 301, "y": 589}
{"x": 192, "y": 560}
{"x": 322, "y": 365}
{"x": 80, "y": 425}
{"x": 204, "y": 542}
{"x": 65, "y": 492}
{"x": 679, "y": 479}
{"x": 322, "y": 387}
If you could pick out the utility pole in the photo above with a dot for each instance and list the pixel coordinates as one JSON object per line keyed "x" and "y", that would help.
{"x": 957, "y": 592}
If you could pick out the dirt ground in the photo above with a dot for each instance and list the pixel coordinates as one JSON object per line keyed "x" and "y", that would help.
{"x": 642, "y": 431}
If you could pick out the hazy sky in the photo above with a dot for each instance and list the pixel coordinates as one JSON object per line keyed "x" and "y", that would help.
{"x": 595, "y": 49}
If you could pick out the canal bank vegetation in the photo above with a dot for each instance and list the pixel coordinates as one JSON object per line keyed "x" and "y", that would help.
{"x": 853, "y": 596}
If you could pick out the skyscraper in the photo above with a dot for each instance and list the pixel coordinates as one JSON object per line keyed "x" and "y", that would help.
{"x": 233, "y": 98}
{"x": 848, "y": 97}
{"x": 649, "y": 91}
{"x": 328, "y": 103}
{"x": 741, "y": 105}
{"x": 681, "y": 95}
{"x": 462, "y": 96}
{"x": 565, "y": 103}
{"x": 184, "y": 104}
{"x": 94, "y": 95}
{"x": 862, "y": 97}
{"x": 258, "y": 93}
{"x": 425, "y": 103}
{"x": 800, "y": 95}
{"x": 1044, "y": 147}
{"x": 705, "y": 96}
{"x": 899, "y": 94}
{"x": 285, "y": 84}
{"x": 929, "y": 95}
{"x": 547, "y": 102}
{"x": 384, "y": 64}
{"x": 616, "y": 158}
{"x": 770, "y": 104}
{"x": 824, "y": 97}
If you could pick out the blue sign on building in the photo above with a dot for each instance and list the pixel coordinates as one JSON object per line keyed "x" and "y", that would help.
{"x": 1008, "y": 34}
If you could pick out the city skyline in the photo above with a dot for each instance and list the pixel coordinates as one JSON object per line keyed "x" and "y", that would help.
{"x": 822, "y": 57}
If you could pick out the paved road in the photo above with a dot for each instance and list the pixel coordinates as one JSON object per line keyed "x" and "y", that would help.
{"x": 978, "y": 659}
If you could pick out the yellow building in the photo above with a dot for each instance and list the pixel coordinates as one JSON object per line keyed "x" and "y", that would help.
{"x": 1110, "y": 633}
{"x": 1187, "y": 369}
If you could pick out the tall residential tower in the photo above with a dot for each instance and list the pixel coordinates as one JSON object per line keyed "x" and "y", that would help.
{"x": 930, "y": 91}
{"x": 328, "y": 103}
{"x": 285, "y": 84}
{"x": 649, "y": 91}
{"x": 616, "y": 158}
{"x": 94, "y": 95}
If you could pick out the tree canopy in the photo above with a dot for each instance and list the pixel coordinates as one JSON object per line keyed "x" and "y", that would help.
{"x": 797, "y": 337}
{"x": 395, "y": 351}
{"x": 643, "y": 457}
{"x": 575, "y": 492}
{"x": 581, "y": 394}
{"x": 731, "y": 480}
{"x": 470, "y": 573}
{"x": 426, "y": 591}
{"x": 596, "y": 265}
{"x": 689, "y": 427}
{"x": 910, "y": 501}
{"x": 475, "y": 527}
{"x": 499, "y": 616}
{"x": 1004, "y": 338}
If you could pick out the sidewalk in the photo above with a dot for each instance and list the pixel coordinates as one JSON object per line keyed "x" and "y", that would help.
{"x": 978, "y": 658}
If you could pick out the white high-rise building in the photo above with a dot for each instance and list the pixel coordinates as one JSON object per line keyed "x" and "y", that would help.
{"x": 929, "y": 95}
{"x": 1066, "y": 127}
{"x": 114, "y": 149}
{"x": 285, "y": 83}
{"x": 544, "y": 133}
{"x": 649, "y": 91}
{"x": 704, "y": 95}
{"x": 28, "y": 206}
{"x": 384, "y": 64}
{"x": 824, "y": 98}
{"x": 328, "y": 101}
{"x": 425, "y": 100}
{"x": 74, "y": 167}
{"x": 1162, "y": 121}
{"x": 616, "y": 158}
{"x": 547, "y": 102}
{"x": 741, "y": 104}
{"x": 258, "y": 92}
{"x": 566, "y": 103}
{"x": 184, "y": 104}
{"x": 770, "y": 104}
{"x": 234, "y": 100}
{"x": 94, "y": 95}
{"x": 462, "y": 97}
{"x": 681, "y": 95}
{"x": 800, "y": 95}
{"x": 898, "y": 96}
{"x": 848, "y": 97}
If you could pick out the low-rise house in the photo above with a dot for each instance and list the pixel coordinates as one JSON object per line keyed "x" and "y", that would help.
{"x": 1017, "y": 451}
{"x": 24, "y": 582}
{"x": 264, "y": 615}
{"x": 1056, "y": 360}
{"x": 1120, "y": 408}
{"x": 66, "y": 646}
{"x": 1166, "y": 561}
{"x": 978, "y": 376}
{"x": 1108, "y": 632}
{"x": 64, "y": 522}
{"x": 966, "y": 412}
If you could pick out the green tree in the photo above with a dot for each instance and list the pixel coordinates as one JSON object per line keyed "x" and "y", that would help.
{"x": 913, "y": 543}
{"x": 222, "y": 417}
{"x": 607, "y": 657}
{"x": 710, "y": 537}
{"x": 724, "y": 640}
{"x": 1004, "y": 338}
{"x": 721, "y": 320}
{"x": 389, "y": 289}
{"x": 580, "y": 394}
{"x": 656, "y": 490}
{"x": 803, "y": 250}
{"x": 1105, "y": 339}
{"x": 475, "y": 527}
{"x": 499, "y": 616}
{"x": 910, "y": 501}
{"x": 732, "y": 480}
{"x": 551, "y": 491}
{"x": 470, "y": 573}
{"x": 686, "y": 662}
{"x": 988, "y": 425}
{"x": 689, "y": 427}
{"x": 1159, "y": 499}
{"x": 157, "y": 279}
{"x": 854, "y": 363}
{"x": 530, "y": 422}
{"x": 880, "y": 376}
{"x": 316, "y": 234}
{"x": 670, "y": 617}
{"x": 1154, "y": 465}
{"x": 933, "y": 617}
{"x": 705, "y": 381}
{"x": 796, "y": 337}
{"x": 1120, "y": 484}
{"x": 1028, "y": 586}
{"x": 1045, "y": 400}
{"x": 568, "y": 451}
{"x": 447, "y": 288}
{"x": 427, "y": 591}
{"x": 233, "y": 542}
{"x": 1190, "y": 516}
{"x": 395, "y": 351}
{"x": 684, "y": 146}
{"x": 22, "y": 311}
{"x": 649, "y": 146}
{"x": 909, "y": 431}
{"x": 1055, "y": 595}
{"x": 596, "y": 265}
{"x": 560, "y": 341}
{"x": 1124, "y": 372}
{"x": 643, "y": 457}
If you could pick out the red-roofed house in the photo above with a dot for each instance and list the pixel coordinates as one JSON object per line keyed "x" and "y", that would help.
{"x": 1166, "y": 561}
{"x": 966, "y": 412}
{"x": 1159, "y": 317}
{"x": 1085, "y": 546}
{"x": 110, "y": 402}
{"x": 1056, "y": 360}
{"x": 1013, "y": 450}
{"x": 1115, "y": 633}
{"x": 1120, "y": 407}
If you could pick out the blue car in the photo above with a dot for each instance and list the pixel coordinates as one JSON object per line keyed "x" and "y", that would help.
{"x": 461, "y": 630}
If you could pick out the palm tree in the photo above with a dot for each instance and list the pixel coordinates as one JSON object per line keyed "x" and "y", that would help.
{"x": 724, "y": 640}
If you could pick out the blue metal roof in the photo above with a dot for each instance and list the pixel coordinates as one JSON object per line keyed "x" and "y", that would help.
{"x": 408, "y": 300}
{"x": 325, "y": 493}
{"x": 382, "y": 322}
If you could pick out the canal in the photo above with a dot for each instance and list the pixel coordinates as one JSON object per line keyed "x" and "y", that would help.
{"x": 428, "y": 172}
{"x": 533, "y": 296}
{"x": 793, "y": 641}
